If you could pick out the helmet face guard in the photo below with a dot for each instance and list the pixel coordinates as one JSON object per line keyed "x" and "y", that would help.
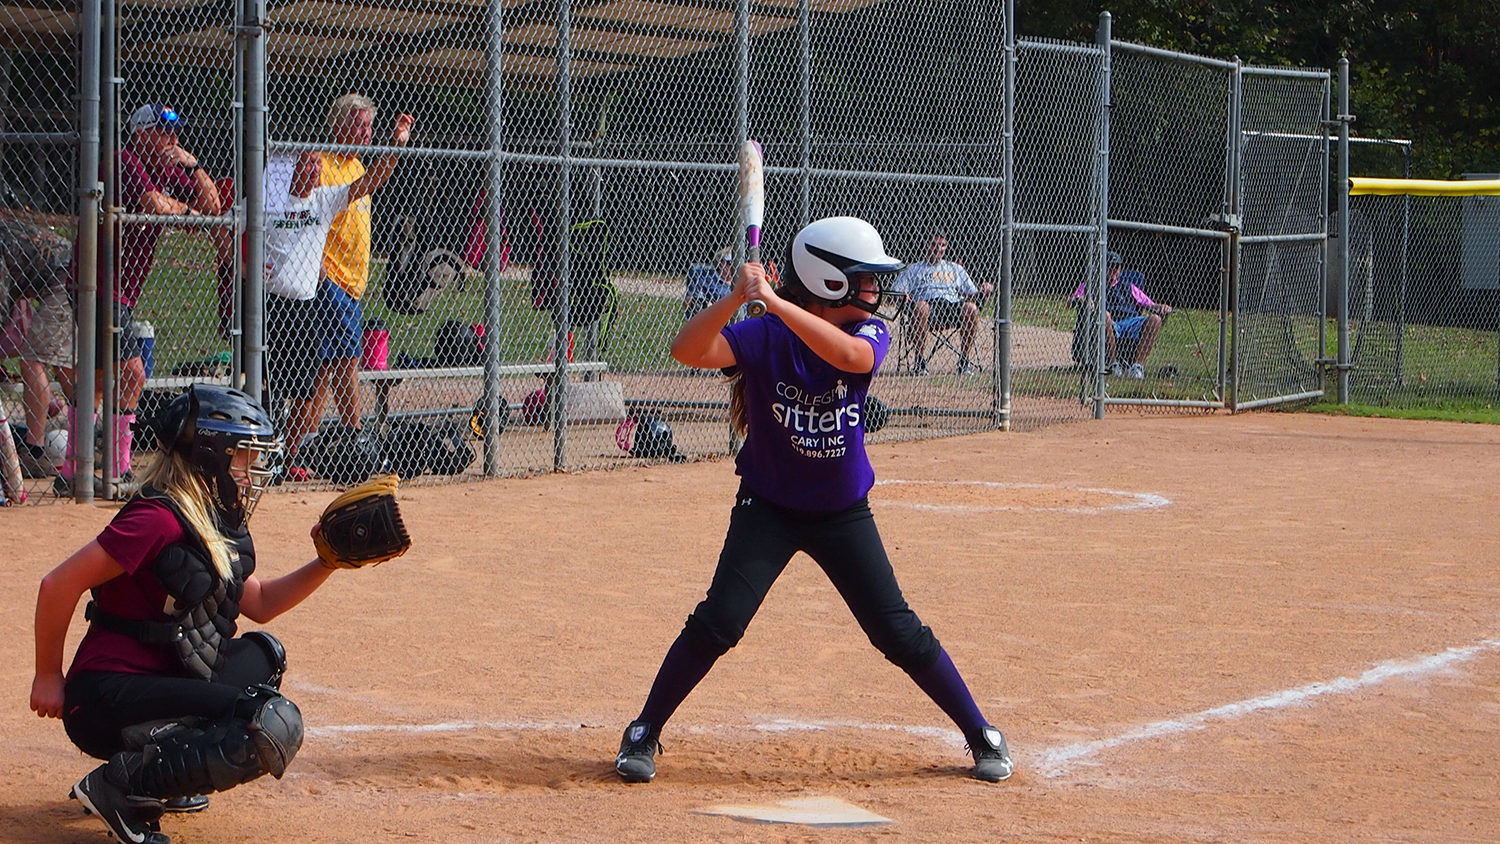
{"x": 227, "y": 436}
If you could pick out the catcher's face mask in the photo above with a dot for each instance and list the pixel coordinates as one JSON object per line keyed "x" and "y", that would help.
{"x": 250, "y": 467}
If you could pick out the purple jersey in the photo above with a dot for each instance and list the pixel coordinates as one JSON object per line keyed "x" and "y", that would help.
{"x": 806, "y": 443}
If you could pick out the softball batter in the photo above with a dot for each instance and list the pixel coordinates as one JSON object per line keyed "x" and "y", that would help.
{"x": 801, "y": 374}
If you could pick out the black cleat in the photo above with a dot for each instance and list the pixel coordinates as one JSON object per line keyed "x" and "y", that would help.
{"x": 185, "y": 805}
{"x": 638, "y": 747}
{"x": 991, "y": 756}
{"x": 131, "y": 820}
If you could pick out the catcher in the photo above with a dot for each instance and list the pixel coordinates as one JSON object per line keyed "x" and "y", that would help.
{"x": 161, "y": 687}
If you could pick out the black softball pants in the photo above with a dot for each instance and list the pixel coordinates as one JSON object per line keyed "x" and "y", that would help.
{"x": 98, "y": 705}
{"x": 845, "y": 543}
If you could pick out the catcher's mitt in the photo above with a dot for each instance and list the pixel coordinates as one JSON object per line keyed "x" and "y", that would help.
{"x": 362, "y": 527}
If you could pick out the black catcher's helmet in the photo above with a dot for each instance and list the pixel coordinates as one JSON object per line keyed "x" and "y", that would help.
{"x": 649, "y": 437}
{"x": 207, "y": 424}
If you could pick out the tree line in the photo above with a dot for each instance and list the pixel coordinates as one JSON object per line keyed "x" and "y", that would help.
{"x": 1427, "y": 70}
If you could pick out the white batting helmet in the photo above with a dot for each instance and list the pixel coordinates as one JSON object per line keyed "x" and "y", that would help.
{"x": 827, "y": 253}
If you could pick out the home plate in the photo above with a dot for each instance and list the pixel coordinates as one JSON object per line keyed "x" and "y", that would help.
{"x": 809, "y": 811}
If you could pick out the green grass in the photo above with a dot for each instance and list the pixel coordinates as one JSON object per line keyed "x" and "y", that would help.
{"x": 1448, "y": 373}
{"x": 1489, "y": 414}
{"x": 1443, "y": 368}
{"x": 180, "y": 302}
{"x": 1188, "y": 342}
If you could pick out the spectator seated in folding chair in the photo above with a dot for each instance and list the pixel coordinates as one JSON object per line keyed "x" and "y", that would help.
{"x": 1132, "y": 321}
{"x": 941, "y": 299}
{"x": 708, "y": 284}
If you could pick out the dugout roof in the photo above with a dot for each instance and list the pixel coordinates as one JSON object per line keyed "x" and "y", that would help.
{"x": 415, "y": 40}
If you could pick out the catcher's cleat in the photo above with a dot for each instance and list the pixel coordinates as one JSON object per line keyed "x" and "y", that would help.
{"x": 638, "y": 747}
{"x": 991, "y": 756}
{"x": 185, "y": 805}
{"x": 131, "y": 819}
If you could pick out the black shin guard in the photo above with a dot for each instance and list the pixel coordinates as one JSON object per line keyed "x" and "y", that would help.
{"x": 262, "y": 738}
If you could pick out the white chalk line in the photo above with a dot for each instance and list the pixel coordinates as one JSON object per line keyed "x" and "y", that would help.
{"x": 1056, "y": 762}
{"x": 1051, "y": 762}
{"x": 1133, "y": 500}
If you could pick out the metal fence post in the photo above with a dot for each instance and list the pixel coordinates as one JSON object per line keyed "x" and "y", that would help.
{"x": 1322, "y": 309}
{"x": 1101, "y": 259}
{"x": 741, "y": 98}
{"x": 1004, "y": 305}
{"x": 1341, "y": 300}
{"x": 108, "y": 207}
{"x": 89, "y": 193}
{"x": 254, "y": 192}
{"x": 1405, "y": 270}
{"x": 804, "y": 157}
{"x": 564, "y": 322}
{"x": 495, "y": 227}
{"x": 108, "y": 385}
{"x": 1234, "y": 222}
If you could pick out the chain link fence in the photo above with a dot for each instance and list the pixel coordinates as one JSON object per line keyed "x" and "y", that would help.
{"x": 38, "y": 163}
{"x": 493, "y": 292}
{"x": 1424, "y": 268}
{"x": 1283, "y": 163}
{"x": 1060, "y": 134}
{"x": 168, "y": 263}
{"x": 1171, "y": 207}
{"x": 592, "y": 210}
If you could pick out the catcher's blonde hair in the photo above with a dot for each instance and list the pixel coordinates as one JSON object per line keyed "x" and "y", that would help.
{"x": 346, "y": 106}
{"x": 180, "y": 480}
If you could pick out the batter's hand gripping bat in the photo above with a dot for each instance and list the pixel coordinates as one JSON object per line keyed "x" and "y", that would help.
{"x": 752, "y": 208}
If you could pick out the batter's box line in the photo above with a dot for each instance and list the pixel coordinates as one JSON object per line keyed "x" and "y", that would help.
{"x": 1059, "y": 761}
{"x": 1132, "y": 500}
{"x": 1051, "y": 762}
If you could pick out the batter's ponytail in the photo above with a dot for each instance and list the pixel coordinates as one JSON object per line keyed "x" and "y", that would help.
{"x": 738, "y": 420}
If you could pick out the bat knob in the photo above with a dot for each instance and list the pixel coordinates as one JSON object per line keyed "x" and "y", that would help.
{"x": 755, "y": 308}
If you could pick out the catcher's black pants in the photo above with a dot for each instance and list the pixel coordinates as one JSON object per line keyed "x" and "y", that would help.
{"x": 845, "y": 544}
{"x": 97, "y": 705}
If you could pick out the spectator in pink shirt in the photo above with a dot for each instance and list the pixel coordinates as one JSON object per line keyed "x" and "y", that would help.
{"x": 1130, "y": 315}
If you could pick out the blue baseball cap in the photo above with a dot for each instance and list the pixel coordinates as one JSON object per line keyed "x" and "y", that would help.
{"x": 155, "y": 116}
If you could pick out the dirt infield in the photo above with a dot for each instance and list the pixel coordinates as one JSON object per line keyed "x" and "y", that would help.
{"x": 1269, "y": 628}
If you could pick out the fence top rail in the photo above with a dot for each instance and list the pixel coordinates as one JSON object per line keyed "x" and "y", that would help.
{"x": 1363, "y": 186}
{"x": 1298, "y": 73}
{"x": 1066, "y": 47}
{"x": 1173, "y": 54}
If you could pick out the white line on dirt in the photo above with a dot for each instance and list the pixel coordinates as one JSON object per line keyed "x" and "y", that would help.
{"x": 1132, "y": 500}
{"x": 1050, "y": 762}
{"x": 1056, "y": 762}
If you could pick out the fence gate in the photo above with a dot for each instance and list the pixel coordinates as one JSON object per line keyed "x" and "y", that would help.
{"x": 1278, "y": 275}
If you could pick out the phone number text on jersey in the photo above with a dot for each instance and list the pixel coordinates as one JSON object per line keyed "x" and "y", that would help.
{"x": 820, "y": 448}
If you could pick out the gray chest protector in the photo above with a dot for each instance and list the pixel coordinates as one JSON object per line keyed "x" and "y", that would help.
{"x": 203, "y": 606}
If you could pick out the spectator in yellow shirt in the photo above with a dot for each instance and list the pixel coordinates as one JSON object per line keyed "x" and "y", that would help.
{"x": 346, "y": 263}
